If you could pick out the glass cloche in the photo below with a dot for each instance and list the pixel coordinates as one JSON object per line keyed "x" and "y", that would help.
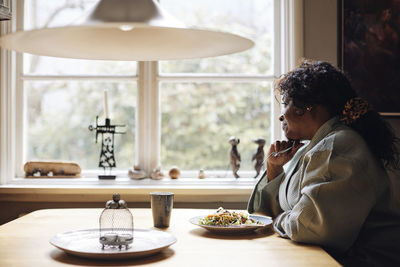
{"x": 116, "y": 224}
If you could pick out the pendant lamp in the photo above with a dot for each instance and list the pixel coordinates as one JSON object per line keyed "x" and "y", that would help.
{"x": 138, "y": 30}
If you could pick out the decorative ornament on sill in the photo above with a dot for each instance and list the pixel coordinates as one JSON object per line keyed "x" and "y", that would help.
{"x": 258, "y": 156}
{"x": 234, "y": 156}
{"x": 116, "y": 224}
{"x": 174, "y": 172}
{"x": 107, "y": 131}
{"x": 202, "y": 174}
{"x": 52, "y": 169}
{"x": 137, "y": 173}
{"x": 157, "y": 174}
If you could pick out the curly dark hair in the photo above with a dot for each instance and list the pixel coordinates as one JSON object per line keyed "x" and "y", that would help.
{"x": 321, "y": 83}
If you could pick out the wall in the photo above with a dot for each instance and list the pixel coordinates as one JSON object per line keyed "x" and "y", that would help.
{"x": 320, "y": 43}
{"x": 320, "y": 30}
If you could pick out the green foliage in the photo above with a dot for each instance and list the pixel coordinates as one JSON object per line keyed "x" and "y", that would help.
{"x": 198, "y": 119}
{"x": 59, "y": 114}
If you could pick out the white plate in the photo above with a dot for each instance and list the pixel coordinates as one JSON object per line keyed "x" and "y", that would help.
{"x": 234, "y": 229}
{"x": 85, "y": 243}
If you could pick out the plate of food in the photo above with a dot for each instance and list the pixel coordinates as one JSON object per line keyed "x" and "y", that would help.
{"x": 231, "y": 222}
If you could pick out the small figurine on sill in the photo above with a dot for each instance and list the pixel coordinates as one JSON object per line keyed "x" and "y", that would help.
{"x": 234, "y": 156}
{"x": 202, "y": 174}
{"x": 137, "y": 173}
{"x": 157, "y": 174}
{"x": 259, "y": 155}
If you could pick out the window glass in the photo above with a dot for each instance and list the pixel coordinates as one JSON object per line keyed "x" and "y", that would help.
{"x": 40, "y": 65}
{"x": 199, "y": 118}
{"x": 252, "y": 19}
{"x": 44, "y": 13}
{"x": 59, "y": 113}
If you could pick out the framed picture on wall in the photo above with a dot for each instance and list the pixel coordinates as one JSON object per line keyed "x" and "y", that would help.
{"x": 369, "y": 50}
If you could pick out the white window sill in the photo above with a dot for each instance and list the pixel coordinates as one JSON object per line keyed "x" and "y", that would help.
{"x": 91, "y": 189}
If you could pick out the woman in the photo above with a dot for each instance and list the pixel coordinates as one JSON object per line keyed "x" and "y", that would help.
{"x": 332, "y": 191}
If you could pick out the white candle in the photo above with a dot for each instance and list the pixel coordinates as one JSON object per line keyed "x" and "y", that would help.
{"x": 106, "y": 104}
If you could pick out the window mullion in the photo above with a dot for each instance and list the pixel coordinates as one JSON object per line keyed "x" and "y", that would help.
{"x": 21, "y": 119}
{"x": 288, "y": 47}
{"x": 8, "y": 107}
{"x": 148, "y": 117}
{"x": 6, "y": 115}
{"x": 276, "y": 132}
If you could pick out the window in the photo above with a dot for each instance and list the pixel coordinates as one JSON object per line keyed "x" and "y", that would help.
{"x": 63, "y": 96}
{"x": 176, "y": 112}
{"x": 226, "y": 96}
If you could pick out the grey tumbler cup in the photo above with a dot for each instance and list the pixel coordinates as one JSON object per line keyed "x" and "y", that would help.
{"x": 161, "y": 206}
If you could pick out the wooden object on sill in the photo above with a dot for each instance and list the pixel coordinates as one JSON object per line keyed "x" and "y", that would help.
{"x": 174, "y": 172}
{"x": 52, "y": 169}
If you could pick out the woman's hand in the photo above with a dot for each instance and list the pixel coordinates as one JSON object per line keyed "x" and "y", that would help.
{"x": 277, "y": 157}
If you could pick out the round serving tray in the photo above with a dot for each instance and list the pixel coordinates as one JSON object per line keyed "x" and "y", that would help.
{"x": 85, "y": 243}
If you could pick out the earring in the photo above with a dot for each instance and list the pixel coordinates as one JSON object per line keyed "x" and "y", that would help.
{"x": 309, "y": 108}
{"x": 281, "y": 117}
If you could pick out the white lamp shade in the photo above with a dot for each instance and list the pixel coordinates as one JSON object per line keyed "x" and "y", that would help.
{"x": 126, "y": 30}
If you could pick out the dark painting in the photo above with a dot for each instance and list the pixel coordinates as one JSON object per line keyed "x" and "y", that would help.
{"x": 371, "y": 51}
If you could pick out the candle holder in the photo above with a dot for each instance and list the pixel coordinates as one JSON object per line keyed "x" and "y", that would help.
{"x": 107, "y": 159}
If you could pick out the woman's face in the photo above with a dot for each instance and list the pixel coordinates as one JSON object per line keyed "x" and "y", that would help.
{"x": 293, "y": 123}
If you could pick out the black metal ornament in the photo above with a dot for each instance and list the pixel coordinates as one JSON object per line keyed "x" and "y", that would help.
{"x": 107, "y": 159}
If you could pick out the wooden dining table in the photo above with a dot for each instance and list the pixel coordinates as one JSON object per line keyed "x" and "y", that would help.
{"x": 25, "y": 242}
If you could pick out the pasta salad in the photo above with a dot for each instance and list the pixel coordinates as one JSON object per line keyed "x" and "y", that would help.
{"x": 224, "y": 217}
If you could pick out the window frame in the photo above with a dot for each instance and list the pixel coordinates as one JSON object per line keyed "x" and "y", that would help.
{"x": 288, "y": 32}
